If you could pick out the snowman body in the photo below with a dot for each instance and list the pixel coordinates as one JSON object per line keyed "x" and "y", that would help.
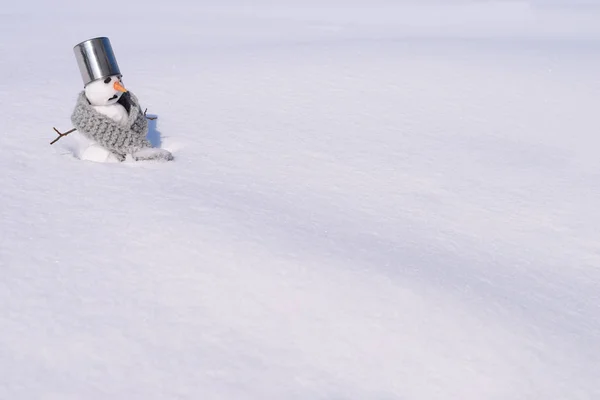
{"x": 125, "y": 135}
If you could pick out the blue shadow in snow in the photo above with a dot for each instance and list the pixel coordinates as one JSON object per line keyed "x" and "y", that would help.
{"x": 154, "y": 135}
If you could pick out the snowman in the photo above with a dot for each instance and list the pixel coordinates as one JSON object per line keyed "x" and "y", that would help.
{"x": 106, "y": 113}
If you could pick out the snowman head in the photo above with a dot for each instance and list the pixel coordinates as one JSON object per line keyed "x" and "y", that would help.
{"x": 105, "y": 91}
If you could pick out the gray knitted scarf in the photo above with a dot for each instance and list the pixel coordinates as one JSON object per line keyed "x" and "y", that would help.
{"x": 120, "y": 140}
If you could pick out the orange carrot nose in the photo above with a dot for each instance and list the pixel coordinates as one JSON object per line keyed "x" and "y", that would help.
{"x": 119, "y": 87}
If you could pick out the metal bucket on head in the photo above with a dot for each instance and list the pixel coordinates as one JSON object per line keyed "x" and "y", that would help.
{"x": 96, "y": 59}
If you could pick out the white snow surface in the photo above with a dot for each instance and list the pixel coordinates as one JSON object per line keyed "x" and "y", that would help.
{"x": 370, "y": 200}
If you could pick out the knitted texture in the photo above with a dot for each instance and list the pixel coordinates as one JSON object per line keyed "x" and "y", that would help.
{"x": 118, "y": 139}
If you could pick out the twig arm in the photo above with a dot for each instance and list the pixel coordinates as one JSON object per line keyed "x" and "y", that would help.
{"x": 60, "y": 135}
{"x": 150, "y": 118}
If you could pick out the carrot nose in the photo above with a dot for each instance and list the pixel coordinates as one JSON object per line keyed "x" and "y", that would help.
{"x": 119, "y": 87}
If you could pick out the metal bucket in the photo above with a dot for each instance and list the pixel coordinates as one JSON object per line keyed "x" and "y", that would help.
{"x": 96, "y": 59}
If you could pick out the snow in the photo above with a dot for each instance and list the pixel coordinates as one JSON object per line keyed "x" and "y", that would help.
{"x": 369, "y": 200}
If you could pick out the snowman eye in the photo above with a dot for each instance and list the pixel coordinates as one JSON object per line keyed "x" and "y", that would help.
{"x": 107, "y": 80}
